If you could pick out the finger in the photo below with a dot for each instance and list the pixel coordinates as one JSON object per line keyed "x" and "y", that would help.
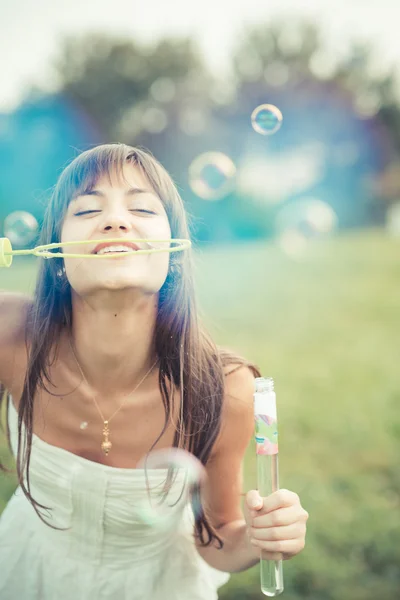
{"x": 271, "y": 555}
{"x": 287, "y": 547}
{"x": 290, "y": 532}
{"x": 277, "y": 518}
{"x": 280, "y": 499}
{"x": 254, "y": 501}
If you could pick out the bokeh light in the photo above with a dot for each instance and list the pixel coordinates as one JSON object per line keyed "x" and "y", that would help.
{"x": 212, "y": 175}
{"x": 192, "y": 120}
{"x": 393, "y": 220}
{"x": 345, "y": 154}
{"x": 268, "y": 178}
{"x": 266, "y": 119}
{"x": 276, "y": 73}
{"x": 20, "y": 227}
{"x": 302, "y": 221}
{"x": 154, "y": 120}
{"x": 173, "y": 475}
{"x": 163, "y": 89}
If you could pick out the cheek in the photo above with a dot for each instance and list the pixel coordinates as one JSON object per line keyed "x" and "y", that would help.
{"x": 70, "y": 233}
{"x": 162, "y": 230}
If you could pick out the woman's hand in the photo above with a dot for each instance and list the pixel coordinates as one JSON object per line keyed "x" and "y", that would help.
{"x": 276, "y": 524}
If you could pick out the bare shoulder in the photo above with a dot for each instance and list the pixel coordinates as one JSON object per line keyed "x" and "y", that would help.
{"x": 239, "y": 383}
{"x": 14, "y": 309}
{"x": 237, "y": 422}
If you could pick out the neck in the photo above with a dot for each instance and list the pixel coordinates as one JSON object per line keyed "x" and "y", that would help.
{"x": 114, "y": 345}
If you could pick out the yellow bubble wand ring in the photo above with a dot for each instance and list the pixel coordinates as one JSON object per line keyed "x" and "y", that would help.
{"x": 7, "y": 253}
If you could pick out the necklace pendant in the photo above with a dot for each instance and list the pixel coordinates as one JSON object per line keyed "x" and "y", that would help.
{"x": 106, "y": 444}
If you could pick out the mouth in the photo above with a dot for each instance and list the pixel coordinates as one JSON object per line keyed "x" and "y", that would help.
{"x": 115, "y": 247}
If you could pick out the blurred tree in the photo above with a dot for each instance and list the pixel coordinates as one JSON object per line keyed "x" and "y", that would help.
{"x": 339, "y": 141}
{"x": 337, "y": 111}
{"x": 117, "y": 80}
{"x": 36, "y": 142}
{"x": 156, "y": 96}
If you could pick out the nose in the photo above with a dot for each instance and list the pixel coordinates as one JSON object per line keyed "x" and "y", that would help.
{"x": 116, "y": 222}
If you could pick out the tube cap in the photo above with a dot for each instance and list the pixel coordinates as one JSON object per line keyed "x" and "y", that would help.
{"x": 5, "y": 248}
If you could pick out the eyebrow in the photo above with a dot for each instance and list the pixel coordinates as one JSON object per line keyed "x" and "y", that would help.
{"x": 131, "y": 192}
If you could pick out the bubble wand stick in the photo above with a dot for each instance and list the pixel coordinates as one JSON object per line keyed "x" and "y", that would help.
{"x": 267, "y": 470}
{"x": 44, "y": 251}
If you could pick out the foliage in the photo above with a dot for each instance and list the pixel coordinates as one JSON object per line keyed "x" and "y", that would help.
{"x": 341, "y": 124}
{"x": 110, "y": 77}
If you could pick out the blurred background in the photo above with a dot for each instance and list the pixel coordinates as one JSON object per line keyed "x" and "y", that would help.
{"x": 280, "y": 124}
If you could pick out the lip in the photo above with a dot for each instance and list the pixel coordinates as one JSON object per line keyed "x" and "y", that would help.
{"x": 121, "y": 243}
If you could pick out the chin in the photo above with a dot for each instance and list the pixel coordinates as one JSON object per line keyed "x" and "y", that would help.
{"x": 121, "y": 283}
{"x": 144, "y": 284}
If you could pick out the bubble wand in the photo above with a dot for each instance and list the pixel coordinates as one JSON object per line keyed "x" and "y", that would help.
{"x": 267, "y": 470}
{"x": 44, "y": 251}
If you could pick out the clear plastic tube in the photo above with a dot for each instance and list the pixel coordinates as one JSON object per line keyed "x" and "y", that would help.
{"x": 271, "y": 572}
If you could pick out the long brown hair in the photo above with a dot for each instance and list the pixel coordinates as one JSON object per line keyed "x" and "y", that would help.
{"x": 188, "y": 358}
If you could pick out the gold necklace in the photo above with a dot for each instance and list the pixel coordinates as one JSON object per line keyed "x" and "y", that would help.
{"x": 106, "y": 445}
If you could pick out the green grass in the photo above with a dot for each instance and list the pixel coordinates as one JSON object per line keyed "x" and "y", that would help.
{"x": 325, "y": 327}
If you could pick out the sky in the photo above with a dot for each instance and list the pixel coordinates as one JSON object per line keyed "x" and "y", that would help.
{"x": 30, "y": 30}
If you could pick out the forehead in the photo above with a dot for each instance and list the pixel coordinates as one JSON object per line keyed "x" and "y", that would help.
{"x": 127, "y": 176}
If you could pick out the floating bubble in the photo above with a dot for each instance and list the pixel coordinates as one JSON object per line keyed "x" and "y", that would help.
{"x": 303, "y": 221}
{"x": 266, "y": 119}
{"x": 174, "y": 477}
{"x": 20, "y": 228}
{"x": 212, "y": 175}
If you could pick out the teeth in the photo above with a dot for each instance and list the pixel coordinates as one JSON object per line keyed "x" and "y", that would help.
{"x": 114, "y": 249}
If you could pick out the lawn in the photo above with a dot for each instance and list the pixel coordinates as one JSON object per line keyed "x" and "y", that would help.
{"x": 325, "y": 327}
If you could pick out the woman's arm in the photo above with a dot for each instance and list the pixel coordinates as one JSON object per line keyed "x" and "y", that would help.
{"x": 276, "y": 524}
{"x": 224, "y": 490}
{"x": 237, "y": 555}
{"x": 13, "y": 312}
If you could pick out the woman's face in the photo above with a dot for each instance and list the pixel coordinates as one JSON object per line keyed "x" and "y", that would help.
{"x": 116, "y": 209}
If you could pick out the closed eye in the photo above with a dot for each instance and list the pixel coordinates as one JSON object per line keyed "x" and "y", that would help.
{"x": 86, "y": 212}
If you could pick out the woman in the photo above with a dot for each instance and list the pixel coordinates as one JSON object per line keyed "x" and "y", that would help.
{"x": 107, "y": 362}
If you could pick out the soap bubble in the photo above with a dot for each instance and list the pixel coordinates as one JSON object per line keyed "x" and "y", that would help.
{"x": 173, "y": 477}
{"x": 20, "y": 228}
{"x": 212, "y": 175}
{"x": 266, "y": 119}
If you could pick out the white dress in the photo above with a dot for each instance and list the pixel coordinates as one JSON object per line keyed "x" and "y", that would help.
{"x": 109, "y": 552}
